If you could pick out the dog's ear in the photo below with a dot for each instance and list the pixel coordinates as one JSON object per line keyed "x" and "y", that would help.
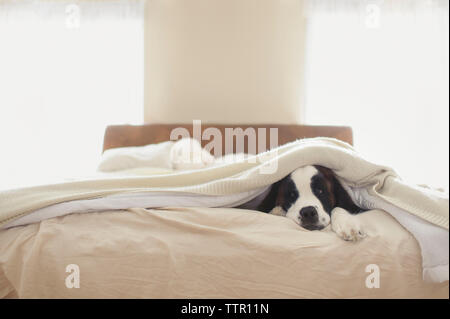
{"x": 341, "y": 198}
{"x": 272, "y": 199}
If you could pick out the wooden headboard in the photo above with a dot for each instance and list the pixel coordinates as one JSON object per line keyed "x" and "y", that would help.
{"x": 138, "y": 135}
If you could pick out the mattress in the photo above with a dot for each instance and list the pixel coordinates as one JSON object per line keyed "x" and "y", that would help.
{"x": 195, "y": 252}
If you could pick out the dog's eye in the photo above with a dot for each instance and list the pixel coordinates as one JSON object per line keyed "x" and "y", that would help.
{"x": 292, "y": 194}
{"x": 320, "y": 191}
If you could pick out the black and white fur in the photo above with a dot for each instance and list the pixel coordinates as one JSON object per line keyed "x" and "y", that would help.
{"x": 313, "y": 198}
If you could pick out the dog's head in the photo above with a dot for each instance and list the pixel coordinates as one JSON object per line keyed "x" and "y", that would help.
{"x": 309, "y": 194}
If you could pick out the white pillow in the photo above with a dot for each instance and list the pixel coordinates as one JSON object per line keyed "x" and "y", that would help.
{"x": 186, "y": 153}
{"x": 152, "y": 155}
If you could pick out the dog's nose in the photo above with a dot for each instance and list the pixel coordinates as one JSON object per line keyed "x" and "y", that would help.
{"x": 309, "y": 213}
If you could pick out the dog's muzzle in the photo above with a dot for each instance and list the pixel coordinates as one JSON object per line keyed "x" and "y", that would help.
{"x": 309, "y": 218}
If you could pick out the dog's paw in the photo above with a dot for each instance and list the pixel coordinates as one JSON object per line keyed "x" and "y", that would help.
{"x": 346, "y": 225}
{"x": 277, "y": 210}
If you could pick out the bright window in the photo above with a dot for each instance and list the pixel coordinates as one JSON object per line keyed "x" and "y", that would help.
{"x": 383, "y": 70}
{"x": 67, "y": 69}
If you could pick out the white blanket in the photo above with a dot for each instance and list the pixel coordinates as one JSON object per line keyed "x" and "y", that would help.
{"x": 433, "y": 240}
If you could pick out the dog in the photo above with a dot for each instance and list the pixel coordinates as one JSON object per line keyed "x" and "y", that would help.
{"x": 313, "y": 198}
{"x": 311, "y": 195}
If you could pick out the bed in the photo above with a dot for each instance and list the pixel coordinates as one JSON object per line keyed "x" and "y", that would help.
{"x": 200, "y": 252}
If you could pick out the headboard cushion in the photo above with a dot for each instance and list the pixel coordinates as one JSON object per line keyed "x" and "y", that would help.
{"x": 139, "y": 135}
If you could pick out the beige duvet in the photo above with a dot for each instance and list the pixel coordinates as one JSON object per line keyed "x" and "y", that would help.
{"x": 207, "y": 253}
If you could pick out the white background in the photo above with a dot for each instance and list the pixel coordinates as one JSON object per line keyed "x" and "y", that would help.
{"x": 63, "y": 80}
{"x": 387, "y": 77}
